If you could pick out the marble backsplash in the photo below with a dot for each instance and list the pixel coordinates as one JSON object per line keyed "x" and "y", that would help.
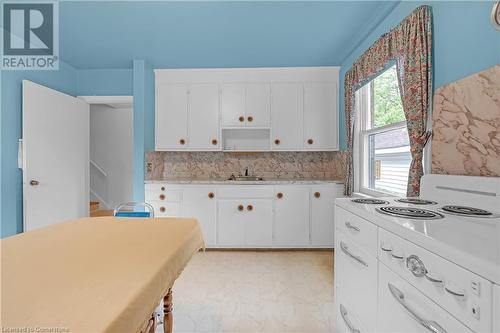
{"x": 270, "y": 165}
{"x": 466, "y": 125}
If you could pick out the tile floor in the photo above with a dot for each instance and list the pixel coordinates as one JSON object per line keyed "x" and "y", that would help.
{"x": 244, "y": 291}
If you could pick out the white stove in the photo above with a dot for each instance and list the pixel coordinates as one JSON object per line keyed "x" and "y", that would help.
{"x": 443, "y": 246}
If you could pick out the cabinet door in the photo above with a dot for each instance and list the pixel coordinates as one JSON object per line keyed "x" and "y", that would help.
{"x": 203, "y": 116}
{"x": 286, "y": 116}
{"x": 171, "y": 116}
{"x": 201, "y": 204}
{"x": 231, "y": 223}
{"x": 291, "y": 216}
{"x": 258, "y": 104}
{"x": 320, "y": 115}
{"x": 258, "y": 222}
{"x": 322, "y": 208}
{"x": 233, "y": 104}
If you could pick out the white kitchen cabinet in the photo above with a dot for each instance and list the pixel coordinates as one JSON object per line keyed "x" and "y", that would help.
{"x": 245, "y": 104}
{"x": 203, "y": 120}
{"x": 320, "y": 116}
{"x": 245, "y": 222}
{"x": 287, "y": 116}
{"x": 231, "y": 223}
{"x": 187, "y": 117}
{"x": 322, "y": 215}
{"x": 171, "y": 116}
{"x": 201, "y": 204}
{"x": 291, "y": 216}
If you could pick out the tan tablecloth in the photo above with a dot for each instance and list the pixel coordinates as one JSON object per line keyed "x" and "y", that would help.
{"x": 100, "y": 274}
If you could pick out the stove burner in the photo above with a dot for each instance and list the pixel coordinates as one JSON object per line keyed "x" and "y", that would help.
{"x": 370, "y": 201}
{"x": 466, "y": 211}
{"x": 410, "y": 213}
{"x": 416, "y": 201}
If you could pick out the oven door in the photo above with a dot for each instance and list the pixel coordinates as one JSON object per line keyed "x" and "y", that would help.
{"x": 402, "y": 308}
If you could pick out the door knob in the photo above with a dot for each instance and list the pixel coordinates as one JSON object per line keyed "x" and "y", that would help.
{"x": 214, "y": 142}
{"x": 317, "y": 194}
{"x": 279, "y": 195}
{"x": 241, "y": 119}
{"x": 277, "y": 141}
{"x": 211, "y": 195}
{"x": 310, "y": 141}
{"x": 182, "y": 141}
{"x": 34, "y": 182}
{"x": 241, "y": 207}
{"x": 250, "y": 119}
{"x": 250, "y": 207}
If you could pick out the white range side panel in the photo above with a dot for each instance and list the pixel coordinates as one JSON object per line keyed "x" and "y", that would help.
{"x": 496, "y": 308}
{"x": 171, "y": 116}
{"x": 286, "y": 116}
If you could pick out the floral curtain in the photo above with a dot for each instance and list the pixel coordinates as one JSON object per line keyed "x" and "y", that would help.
{"x": 410, "y": 45}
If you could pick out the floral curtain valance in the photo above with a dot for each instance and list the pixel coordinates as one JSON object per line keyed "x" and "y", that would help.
{"x": 410, "y": 45}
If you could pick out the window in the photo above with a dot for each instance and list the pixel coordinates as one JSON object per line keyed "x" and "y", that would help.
{"x": 382, "y": 148}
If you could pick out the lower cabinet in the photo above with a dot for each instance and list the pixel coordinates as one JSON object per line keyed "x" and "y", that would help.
{"x": 322, "y": 209}
{"x": 291, "y": 216}
{"x": 245, "y": 222}
{"x": 201, "y": 204}
{"x": 279, "y": 216}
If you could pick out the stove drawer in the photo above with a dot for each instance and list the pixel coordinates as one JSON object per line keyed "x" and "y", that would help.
{"x": 356, "y": 277}
{"x": 347, "y": 319}
{"x": 402, "y": 308}
{"x": 362, "y": 231}
{"x": 465, "y": 295}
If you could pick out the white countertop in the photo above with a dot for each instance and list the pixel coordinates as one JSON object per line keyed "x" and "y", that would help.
{"x": 473, "y": 243}
{"x": 245, "y": 182}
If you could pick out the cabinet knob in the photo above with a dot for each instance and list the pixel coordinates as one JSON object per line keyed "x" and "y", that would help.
{"x": 182, "y": 141}
{"x": 162, "y": 196}
{"x": 34, "y": 182}
{"x": 241, "y": 119}
{"x": 250, "y": 118}
{"x": 162, "y": 188}
{"x": 214, "y": 142}
{"x": 317, "y": 194}
{"x": 241, "y": 207}
{"x": 279, "y": 195}
{"x": 249, "y": 207}
{"x": 310, "y": 141}
{"x": 211, "y": 195}
{"x": 162, "y": 209}
{"x": 277, "y": 141}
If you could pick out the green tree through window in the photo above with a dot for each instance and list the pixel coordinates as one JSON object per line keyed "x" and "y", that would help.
{"x": 386, "y": 99}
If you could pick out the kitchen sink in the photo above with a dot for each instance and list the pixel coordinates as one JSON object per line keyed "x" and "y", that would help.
{"x": 245, "y": 178}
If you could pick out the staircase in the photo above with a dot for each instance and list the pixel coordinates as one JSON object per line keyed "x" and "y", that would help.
{"x": 95, "y": 211}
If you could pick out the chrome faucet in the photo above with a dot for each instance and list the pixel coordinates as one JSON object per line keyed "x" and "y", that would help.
{"x": 246, "y": 172}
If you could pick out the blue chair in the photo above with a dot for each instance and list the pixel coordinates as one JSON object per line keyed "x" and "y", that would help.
{"x": 126, "y": 209}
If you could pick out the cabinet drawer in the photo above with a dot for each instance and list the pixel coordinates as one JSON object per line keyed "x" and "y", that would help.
{"x": 245, "y": 192}
{"x": 356, "y": 276}
{"x": 163, "y": 209}
{"x": 348, "y": 320}
{"x": 165, "y": 195}
{"x": 363, "y": 232}
{"x": 473, "y": 308}
{"x": 402, "y": 308}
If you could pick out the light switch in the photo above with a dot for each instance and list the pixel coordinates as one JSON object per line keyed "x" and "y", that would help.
{"x": 475, "y": 311}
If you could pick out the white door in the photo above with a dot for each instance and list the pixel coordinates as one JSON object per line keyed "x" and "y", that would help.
{"x": 171, "y": 116}
{"x": 203, "y": 116}
{"x": 201, "y": 204}
{"x": 291, "y": 216}
{"x": 258, "y": 222}
{"x": 233, "y": 104}
{"x": 320, "y": 115}
{"x": 231, "y": 223}
{"x": 322, "y": 209}
{"x": 55, "y": 156}
{"x": 286, "y": 116}
{"x": 258, "y": 104}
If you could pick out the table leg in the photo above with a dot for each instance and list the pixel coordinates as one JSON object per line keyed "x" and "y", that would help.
{"x": 168, "y": 319}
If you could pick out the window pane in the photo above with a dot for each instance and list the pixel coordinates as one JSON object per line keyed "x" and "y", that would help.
{"x": 389, "y": 161}
{"x": 386, "y": 104}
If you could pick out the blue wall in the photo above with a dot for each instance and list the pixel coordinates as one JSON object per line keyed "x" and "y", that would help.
{"x": 111, "y": 82}
{"x": 64, "y": 80}
{"x": 465, "y": 42}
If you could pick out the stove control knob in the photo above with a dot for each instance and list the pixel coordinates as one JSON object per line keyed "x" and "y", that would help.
{"x": 416, "y": 266}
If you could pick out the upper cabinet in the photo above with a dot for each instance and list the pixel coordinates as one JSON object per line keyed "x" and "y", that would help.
{"x": 245, "y": 109}
{"x": 245, "y": 105}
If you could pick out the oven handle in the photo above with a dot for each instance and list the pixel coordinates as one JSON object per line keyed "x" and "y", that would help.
{"x": 343, "y": 313}
{"x": 431, "y": 325}
{"x": 345, "y": 249}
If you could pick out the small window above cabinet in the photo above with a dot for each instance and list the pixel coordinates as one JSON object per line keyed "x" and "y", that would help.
{"x": 245, "y": 105}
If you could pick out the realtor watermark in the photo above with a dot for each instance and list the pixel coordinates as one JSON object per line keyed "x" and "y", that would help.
{"x": 30, "y": 35}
